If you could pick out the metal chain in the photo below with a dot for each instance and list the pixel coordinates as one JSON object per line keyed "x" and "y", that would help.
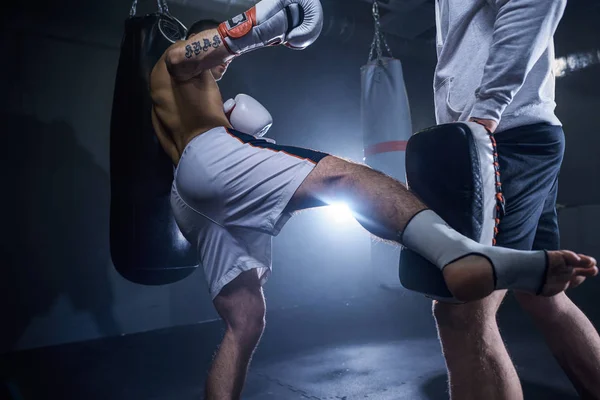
{"x": 133, "y": 9}
{"x": 163, "y": 7}
{"x": 377, "y": 28}
{"x": 379, "y": 36}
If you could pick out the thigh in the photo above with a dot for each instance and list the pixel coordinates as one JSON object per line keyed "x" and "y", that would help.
{"x": 335, "y": 179}
{"x": 240, "y": 181}
{"x": 320, "y": 186}
{"x": 225, "y": 254}
{"x": 530, "y": 158}
{"x": 547, "y": 235}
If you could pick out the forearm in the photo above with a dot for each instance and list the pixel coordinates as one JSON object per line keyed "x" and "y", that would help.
{"x": 295, "y": 23}
{"x": 201, "y": 52}
{"x": 522, "y": 32}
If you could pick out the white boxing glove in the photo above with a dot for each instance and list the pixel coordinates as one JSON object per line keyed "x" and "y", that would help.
{"x": 294, "y": 23}
{"x": 247, "y": 115}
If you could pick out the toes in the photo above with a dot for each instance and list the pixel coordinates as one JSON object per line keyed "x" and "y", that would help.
{"x": 581, "y": 274}
{"x": 587, "y": 272}
{"x": 571, "y": 258}
{"x": 587, "y": 261}
{"x": 569, "y": 271}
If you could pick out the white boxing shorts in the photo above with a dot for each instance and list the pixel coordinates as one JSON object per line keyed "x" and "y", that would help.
{"x": 229, "y": 198}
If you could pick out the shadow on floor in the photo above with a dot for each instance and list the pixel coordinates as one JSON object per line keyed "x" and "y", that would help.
{"x": 436, "y": 388}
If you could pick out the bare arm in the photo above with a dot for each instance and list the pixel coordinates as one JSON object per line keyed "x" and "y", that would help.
{"x": 521, "y": 34}
{"x": 201, "y": 52}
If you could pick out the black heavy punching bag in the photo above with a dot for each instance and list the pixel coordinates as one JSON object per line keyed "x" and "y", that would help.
{"x": 146, "y": 245}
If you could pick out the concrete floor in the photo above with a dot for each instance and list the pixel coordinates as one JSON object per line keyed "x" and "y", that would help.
{"x": 358, "y": 349}
{"x": 411, "y": 370}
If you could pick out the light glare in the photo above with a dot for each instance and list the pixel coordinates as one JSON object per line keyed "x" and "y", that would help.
{"x": 340, "y": 212}
{"x": 575, "y": 62}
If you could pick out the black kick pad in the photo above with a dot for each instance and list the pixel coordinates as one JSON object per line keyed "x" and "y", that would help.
{"x": 442, "y": 169}
{"x": 146, "y": 246}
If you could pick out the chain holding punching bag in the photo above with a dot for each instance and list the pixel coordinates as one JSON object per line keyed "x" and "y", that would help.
{"x": 386, "y": 126}
{"x": 145, "y": 242}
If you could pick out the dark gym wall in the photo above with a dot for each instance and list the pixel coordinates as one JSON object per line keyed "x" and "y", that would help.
{"x": 59, "y": 285}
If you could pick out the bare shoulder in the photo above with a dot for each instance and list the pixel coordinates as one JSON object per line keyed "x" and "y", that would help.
{"x": 160, "y": 74}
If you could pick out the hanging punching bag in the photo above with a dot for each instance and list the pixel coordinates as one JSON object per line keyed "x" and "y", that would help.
{"x": 386, "y": 126}
{"x": 146, "y": 245}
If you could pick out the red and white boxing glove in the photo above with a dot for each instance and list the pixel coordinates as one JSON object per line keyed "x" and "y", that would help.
{"x": 247, "y": 115}
{"x": 294, "y": 23}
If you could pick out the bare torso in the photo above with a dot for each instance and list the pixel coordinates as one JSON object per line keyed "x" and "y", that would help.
{"x": 183, "y": 110}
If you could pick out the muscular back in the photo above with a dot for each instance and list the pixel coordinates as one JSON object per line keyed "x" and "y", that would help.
{"x": 184, "y": 109}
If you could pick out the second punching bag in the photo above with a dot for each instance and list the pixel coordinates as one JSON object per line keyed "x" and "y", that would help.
{"x": 386, "y": 127}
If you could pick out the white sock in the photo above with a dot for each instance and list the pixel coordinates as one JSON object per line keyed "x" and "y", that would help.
{"x": 430, "y": 236}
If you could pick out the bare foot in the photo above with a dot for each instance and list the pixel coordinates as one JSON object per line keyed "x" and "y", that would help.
{"x": 567, "y": 270}
{"x": 472, "y": 278}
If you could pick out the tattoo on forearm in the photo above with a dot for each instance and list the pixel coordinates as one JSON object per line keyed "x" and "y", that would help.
{"x": 199, "y": 47}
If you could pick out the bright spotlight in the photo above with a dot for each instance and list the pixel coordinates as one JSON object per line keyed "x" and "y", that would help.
{"x": 575, "y": 62}
{"x": 340, "y": 212}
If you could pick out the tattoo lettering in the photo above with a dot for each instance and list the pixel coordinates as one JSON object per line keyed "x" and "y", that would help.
{"x": 197, "y": 48}
{"x": 206, "y": 45}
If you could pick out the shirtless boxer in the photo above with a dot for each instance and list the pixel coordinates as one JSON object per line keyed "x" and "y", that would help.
{"x": 233, "y": 191}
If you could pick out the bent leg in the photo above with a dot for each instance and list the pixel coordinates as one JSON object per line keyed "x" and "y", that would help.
{"x": 469, "y": 334}
{"x": 241, "y": 304}
{"x": 386, "y": 208}
{"x": 383, "y": 205}
{"x": 571, "y": 337}
{"x": 472, "y": 347}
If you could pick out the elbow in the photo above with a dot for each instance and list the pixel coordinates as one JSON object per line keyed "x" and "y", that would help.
{"x": 173, "y": 60}
{"x": 181, "y": 67}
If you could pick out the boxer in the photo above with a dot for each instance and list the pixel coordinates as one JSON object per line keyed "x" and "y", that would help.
{"x": 234, "y": 190}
